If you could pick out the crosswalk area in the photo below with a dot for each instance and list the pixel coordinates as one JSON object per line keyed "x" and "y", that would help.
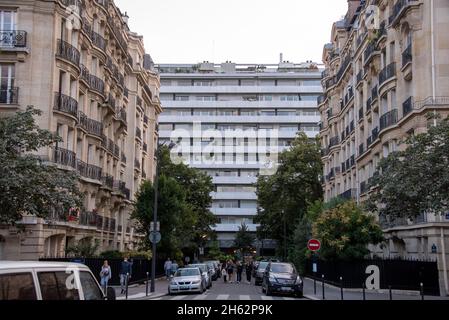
{"x": 224, "y": 297}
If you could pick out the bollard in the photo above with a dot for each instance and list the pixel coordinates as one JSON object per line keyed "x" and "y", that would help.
{"x": 314, "y": 286}
{"x": 341, "y": 288}
{"x": 363, "y": 291}
{"x": 127, "y": 279}
{"x": 391, "y": 293}
{"x": 146, "y": 287}
{"x": 421, "y": 285}
{"x": 322, "y": 277}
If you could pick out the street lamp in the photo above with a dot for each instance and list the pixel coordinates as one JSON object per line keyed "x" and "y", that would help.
{"x": 156, "y": 179}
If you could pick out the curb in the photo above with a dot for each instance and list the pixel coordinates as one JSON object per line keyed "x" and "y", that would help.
{"x": 310, "y": 297}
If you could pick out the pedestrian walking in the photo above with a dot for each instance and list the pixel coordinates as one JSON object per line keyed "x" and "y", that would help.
{"x": 224, "y": 272}
{"x": 167, "y": 268}
{"x": 125, "y": 270}
{"x": 248, "y": 271}
{"x": 105, "y": 275}
{"x": 239, "y": 268}
{"x": 230, "y": 270}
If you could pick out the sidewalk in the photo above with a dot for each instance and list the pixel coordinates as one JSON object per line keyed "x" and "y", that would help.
{"x": 334, "y": 293}
{"x": 137, "y": 292}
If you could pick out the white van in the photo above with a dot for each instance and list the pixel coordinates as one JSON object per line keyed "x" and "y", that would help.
{"x": 23, "y": 280}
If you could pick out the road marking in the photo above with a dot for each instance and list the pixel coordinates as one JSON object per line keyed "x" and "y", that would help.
{"x": 223, "y": 297}
{"x": 244, "y": 297}
{"x": 200, "y": 297}
{"x": 289, "y": 298}
{"x": 266, "y": 298}
{"x": 178, "y": 297}
{"x": 131, "y": 297}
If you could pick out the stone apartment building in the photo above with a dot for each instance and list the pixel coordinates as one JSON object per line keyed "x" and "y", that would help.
{"x": 79, "y": 63}
{"x": 387, "y": 67}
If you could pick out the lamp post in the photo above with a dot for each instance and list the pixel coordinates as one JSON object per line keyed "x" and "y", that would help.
{"x": 156, "y": 180}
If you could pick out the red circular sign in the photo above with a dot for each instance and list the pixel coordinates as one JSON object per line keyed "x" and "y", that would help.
{"x": 314, "y": 245}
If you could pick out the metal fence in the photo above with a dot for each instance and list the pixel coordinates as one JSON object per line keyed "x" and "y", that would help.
{"x": 139, "y": 268}
{"x": 395, "y": 274}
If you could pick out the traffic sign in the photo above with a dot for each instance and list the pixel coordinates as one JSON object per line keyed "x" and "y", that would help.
{"x": 155, "y": 237}
{"x": 314, "y": 245}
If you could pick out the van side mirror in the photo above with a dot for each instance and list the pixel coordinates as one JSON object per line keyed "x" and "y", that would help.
{"x": 110, "y": 293}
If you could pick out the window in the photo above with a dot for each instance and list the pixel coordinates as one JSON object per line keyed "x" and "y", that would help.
{"x": 265, "y": 98}
{"x": 90, "y": 287}
{"x": 181, "y": 98}
{"x": 267, "y": 113}
{"x": 57, "y": 286}
{"x": 287, "y": 113}
{"x": 227, "y": 112}
{"x": 311, "y": 83}
{"x": 206, "y": 98}
{"x": 289, "y": 98}
{"x": 203, "y": 83}
{"x": 204, "y": 112}
{"x": 7, "y": 23}
{"x": 18, "y": 286}
{"x": 165, "y": 126}
{"x": 7, "y": 91}
{"x": 306, "y": 97}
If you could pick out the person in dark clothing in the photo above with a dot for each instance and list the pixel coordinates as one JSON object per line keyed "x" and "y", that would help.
{"x": 248, "y": 270}
{"x": 125, "y": 270}
{"x": 239, "y": 268}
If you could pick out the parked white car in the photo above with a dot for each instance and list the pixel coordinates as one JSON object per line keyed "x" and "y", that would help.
{"x": 21, "y": 280}
{"x": 187, "y": 280}
{"x": 205, "y": 272}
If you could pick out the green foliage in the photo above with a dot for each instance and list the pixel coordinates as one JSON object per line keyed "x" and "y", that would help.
{"x": 215, "y": 252}
{"x": 83, "y": 249}
{"x": 345, "y": 232}
{"x": 27, "y": 184}
{"x": 415, "y": 180}
{"x": 287, "y": 193}
{"x": 244, "y": 239}
{"x": 111, "y": 254}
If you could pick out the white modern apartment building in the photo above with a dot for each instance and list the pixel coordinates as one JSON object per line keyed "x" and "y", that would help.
{"x": 231, "y": 121}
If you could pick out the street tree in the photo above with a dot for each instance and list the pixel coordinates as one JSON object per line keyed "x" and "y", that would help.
{"x": 244, "y": 239}
{"x": 345, "y": 232}
{"x": 415, "y": 180}
{"x": 283, "y": 198}
{"x": 28, "y": 184}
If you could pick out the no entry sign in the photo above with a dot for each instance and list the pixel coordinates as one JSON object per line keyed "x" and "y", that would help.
{"x": 314, "y": 245}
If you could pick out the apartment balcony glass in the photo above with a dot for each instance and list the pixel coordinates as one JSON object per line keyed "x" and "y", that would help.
{"x": 67, "y": 52}
{"x": 9, "y": 95}
{"x": 13, "y": 39}
{"x": 388, "y": 119}
{"x": 66, "y": 104}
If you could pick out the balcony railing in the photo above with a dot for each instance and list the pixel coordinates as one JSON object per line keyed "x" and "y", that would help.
{"x": 107, "y": 181}
{"x": 374, "y": 93}
{"x": 398, "y": 9}
{"x": 9, "y": 95}
{"x": 145, "y": 147}
{"x": 66, "y": 104}
{"x": 68, "y": 52}
{"x": 407, "y": 106}
{"x": 370, "y": 49}
{"x": 88, "y": 170}
{"x": 139, "y": 101}
{"x": 361, "y": 149}
{"x": 13, "y": 39}
{"x": 388, "y": 119}
{"x": 330, "y": 82}
{"x": 407, "y": 56}
{"x": 64, "y": 157}
{"x": 361, "y": 115}
{"x": 96, "y": 84}
{"x": 136, "y": 163}
{"x": 85, "y": 74}
{"x": 126, "y": 92}
{"x": 98, "y": 41}
{"x": 121, "y": 115}
{"x": 349, "y": 194}
{"x": 91, "y": 126}
{"x": 138, "y": 133}
{"x": 334, "y": 141}
{"x": 119, "y": 186}
{"x": 344, "y": 67}
{"x": 321, "y": 99}
{"x": 123, "y": 157}
{"x": 387, "y": 73}
{"x": 375, "y": 133}
{"x": 359, "y": 76}
{"x": 145, "y": 119}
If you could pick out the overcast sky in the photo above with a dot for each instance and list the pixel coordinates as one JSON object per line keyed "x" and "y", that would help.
{"x": 243, "y": 31}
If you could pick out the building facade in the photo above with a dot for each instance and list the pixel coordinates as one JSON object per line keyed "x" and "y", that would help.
{"x": 231, "y": 121}
{"x": 78, "y": 62}
{"x": 387, "y": 67}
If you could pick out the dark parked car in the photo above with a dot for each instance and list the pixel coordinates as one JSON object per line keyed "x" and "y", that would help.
{"x": 259, "y": 272}
{"x": 282, "y": 278}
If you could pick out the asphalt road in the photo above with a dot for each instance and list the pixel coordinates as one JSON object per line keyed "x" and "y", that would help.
{"x": 229, "y": 291}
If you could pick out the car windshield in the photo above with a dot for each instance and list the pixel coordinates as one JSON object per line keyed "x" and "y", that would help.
{"x": 187, "y": 272}
{"x": 263, "y": 265}
{"x": 202, "y": 267}
{"x": 282, "y": 268}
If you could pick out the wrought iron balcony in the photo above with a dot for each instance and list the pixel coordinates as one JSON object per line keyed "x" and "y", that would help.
{"x": 349, "y": 194}
{"x": 361, "y": 149}
{"x": 99, "y": 222}
{"x": 13, "y": 39}
{"x": 145, "y": 147}
{"x": 346, "y": 63}
{"x": 374, "y": 93}
{"x": 407, "y": 56}
{"x": 85, "y": 74}
{"x": 359, "y": 76}
{"x": 64, "y": 157}
{"x": 334, "y": 141}
{"x": 138, "y": 133}
{"x": 388, "y": 119}
{"x": 387, "y": 73}
{"x": 96, "y": 84}
{"x": 361, "y": 114}
{"x": 107, "y": 181}
{"x": 98, "y": 41}
{"x": 136, "y": 164}
{"x": 88, "y": 171}
{"x": 375, "y": 133}
{"x": 123, "y": 157}
{"x": 145, "y": 119}
{"x": 369, "y": 51}
{"x": 399, "y": 8}
{"x": 407, "y": 106}
{"x": 139, "y": 101}
{"x": 121, "y": 115}
{"x": 66, "y": 104}
{"x": 91, "y": 126}
{"x": 9, "y": 95}
{"x": 68, "y": 52}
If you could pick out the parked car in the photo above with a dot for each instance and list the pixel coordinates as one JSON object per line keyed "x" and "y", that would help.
{"x": 218, "y": 266}
{"x": 21, "y": 280}
{"x": 259, "y": 272}
{"x": 282, "y": 278}
{"x": 205, "y": 273}
{"x": 213, "y": 269}
{"x": 187, "y": 280}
